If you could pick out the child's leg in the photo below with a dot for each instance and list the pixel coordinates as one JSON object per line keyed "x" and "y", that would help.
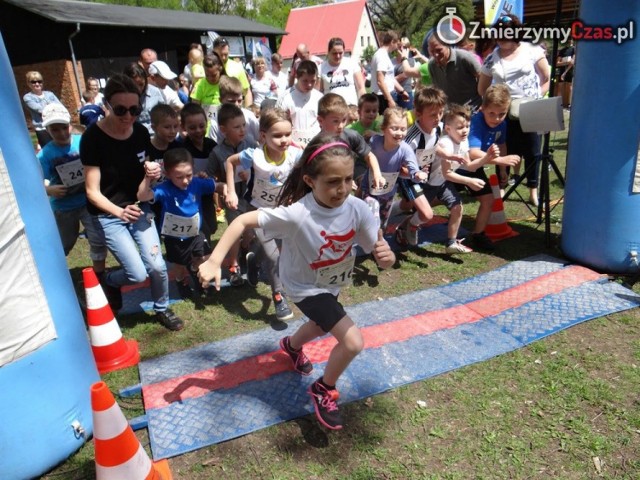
{"x": 424, "y": 212}
{"x": 350, "y": 344}
{"x": 271, "y": 254}
{"x": 455, "y": 219}
{"x": 307, "y": 332}
{"x": 484, "y": 212}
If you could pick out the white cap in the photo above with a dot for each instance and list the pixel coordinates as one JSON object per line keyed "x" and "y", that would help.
{"x": 55, "y": 113}
{"x": 160, "y": 68}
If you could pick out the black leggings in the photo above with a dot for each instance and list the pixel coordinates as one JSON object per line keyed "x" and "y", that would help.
{"x": 527, "y": 145}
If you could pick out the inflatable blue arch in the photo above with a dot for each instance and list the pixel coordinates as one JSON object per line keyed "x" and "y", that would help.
{"x": 46, "y": 364}
{"x": 601, "y": 220}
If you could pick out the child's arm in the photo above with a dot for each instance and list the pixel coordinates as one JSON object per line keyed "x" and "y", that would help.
{"x": 210, "y": 270}
{"x": 372, "y": 162}
{"x": 382, "y": 252}
{"x": 232, "y": 196}
{"x": 488, "y": 157}
{"x": 144, "y": 190}
{"x": 449, "y": 155}
{"x": 474, "y": 184}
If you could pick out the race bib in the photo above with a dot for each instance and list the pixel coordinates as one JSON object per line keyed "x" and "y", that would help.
{"x": 180, "y": 227}
{"x": 390, "y": 183}
{"x": 426, "y": 157}
{"x": 71, "y": 173}
{"x": 303, "y": 137}
{"x": 337, "y": 275}
{"x": 211, "y": 111}
{"x": 265, "y": 193}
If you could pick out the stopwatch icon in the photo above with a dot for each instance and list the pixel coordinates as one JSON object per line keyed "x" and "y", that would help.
{"x": 451, "y": 28}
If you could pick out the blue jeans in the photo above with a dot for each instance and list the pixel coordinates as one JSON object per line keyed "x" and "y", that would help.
{"x": 136, "y": 246}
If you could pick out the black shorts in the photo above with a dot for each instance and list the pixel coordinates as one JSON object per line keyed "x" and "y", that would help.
{"x": 323, "y": 309}
{"x": 183, "y": 251}
{"x": 479, "y": 173}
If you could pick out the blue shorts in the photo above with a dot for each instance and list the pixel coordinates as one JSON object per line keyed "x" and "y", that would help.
{"x": 410, "y": 190}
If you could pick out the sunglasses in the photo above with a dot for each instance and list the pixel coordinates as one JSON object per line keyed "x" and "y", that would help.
{"x": 121, "y": 110}
{"x": 34, "y": 82}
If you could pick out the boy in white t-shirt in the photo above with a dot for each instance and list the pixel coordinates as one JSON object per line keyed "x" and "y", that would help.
{"x": 452, "y": 152}
{"x": 301, "y": 104}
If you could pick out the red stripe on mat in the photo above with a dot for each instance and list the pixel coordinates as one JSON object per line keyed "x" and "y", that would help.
{"x": 263, "y": 366}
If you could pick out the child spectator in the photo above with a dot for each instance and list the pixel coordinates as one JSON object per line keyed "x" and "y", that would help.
{"x": 315, "y": 210}
{"x": 488, "y": 127}
{"x": 90, "y": 112}
{"x": 392, "y": 155}
{"x": 64, "y": 182}
{"x": 301, "y": 103}
{"x": 452, "y": 153}
{"x": 332, "y": 117}
{"x": 422, "y": 137}
{"x": 368, "y": 123}
{"x": 180, "y": 216}
{"x": 184, "y": 88}
{"x": 271, "y": 166}
{"x": 231, "y": 92}
{"x": 165, "y": 124}
{"x": 232, "y": 126}
{"x": 194, "y": 124}
{"x": 196, "y": 62}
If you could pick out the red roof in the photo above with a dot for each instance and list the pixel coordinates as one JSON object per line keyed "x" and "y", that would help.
{"x": 314, "y": 26}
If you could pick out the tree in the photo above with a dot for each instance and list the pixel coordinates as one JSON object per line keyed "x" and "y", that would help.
{"x": 413, "y": 18}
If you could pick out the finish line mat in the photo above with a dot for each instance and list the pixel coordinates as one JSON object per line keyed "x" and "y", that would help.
{"x": 137, "y": 298}
{"x": 229, "y": 388}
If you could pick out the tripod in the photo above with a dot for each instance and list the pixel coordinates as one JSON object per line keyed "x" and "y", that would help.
{"x": 544, "y": 201}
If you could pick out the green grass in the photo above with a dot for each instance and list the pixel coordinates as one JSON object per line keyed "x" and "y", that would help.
{"x": 553, "y": 409}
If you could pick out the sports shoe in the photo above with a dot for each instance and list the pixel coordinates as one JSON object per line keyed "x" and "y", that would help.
{"x": 283, "y": 312}
{"x": 457, "y": 247}
{"x": 253, "y": 269}
{"x": 170, "y": 320}
{"x": 113, "y": 294}
{"x": 301, "y": 363}
{"x": 235, "y": 277}
{"x": 220, "y": 217}
{"x": 482, "y": 242}
{"x": 411, "y": 234}
{"x": 324, "y": 403}
{"x": 184, "y": 290}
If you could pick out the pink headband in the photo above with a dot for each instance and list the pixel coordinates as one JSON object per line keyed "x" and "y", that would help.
{"x": 324, "y": 147}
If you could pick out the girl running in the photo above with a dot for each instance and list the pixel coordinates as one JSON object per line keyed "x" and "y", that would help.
{"x": 319, "y": 222}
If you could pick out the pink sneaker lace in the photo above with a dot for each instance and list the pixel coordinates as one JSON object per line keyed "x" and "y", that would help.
{"x": 329, "y": 399}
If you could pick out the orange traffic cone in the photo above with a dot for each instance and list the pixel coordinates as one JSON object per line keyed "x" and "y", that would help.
{"x": 498, "y": 228}
{"x": 110, "y": 350}
{"x": 119, "y": 454}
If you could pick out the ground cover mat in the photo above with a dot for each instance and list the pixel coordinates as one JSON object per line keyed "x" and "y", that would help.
{"x": 232, "y": 387}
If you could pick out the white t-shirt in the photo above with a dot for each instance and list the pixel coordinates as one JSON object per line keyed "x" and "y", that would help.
{"x": 268, "y": 178}
{"x": 317, "y": 243}
{"x": 171, "y": 97}
{"x": 423, "y": 144}
{"x": 519, "y": 74}
{"x": 282, "y": 82}
{"x": 436, "y": 177}
{"x": 340, "y": 80}
{"x": 381, "y": 62}
{"x": 263, "y": 88}
{"x": 303, "y": 110}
